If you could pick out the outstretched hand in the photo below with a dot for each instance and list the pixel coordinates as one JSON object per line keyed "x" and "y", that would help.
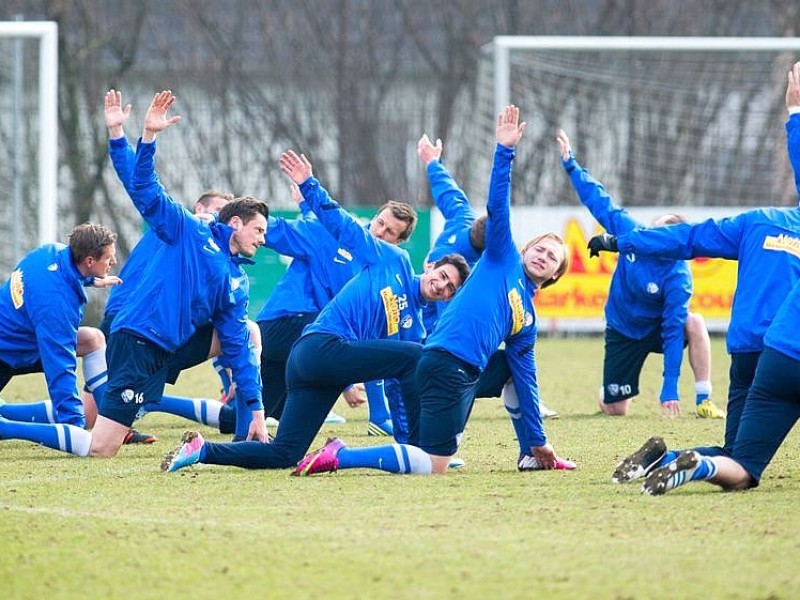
{"x": 604, "y": 242}
{"x": 106, "y": 282}
{"x": 114, "y": 113}
{"x": 793, "y": 86}
{"x": 509, "y": 129}
{"x": 427, "y": 151}
{"x": 563, "y": 144}
{"x": 297, "y": 168}
{"x": 156, "y": 119}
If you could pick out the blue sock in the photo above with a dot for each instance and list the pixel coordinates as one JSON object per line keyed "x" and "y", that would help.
{"x": 195, "y": 409}
{"x": 376, "y": 401}
{"x": 393, "y": 458}
{"x": 66, "y": 438}
{"x": 702, "y": 391}
{"x": 706, "y": 469}
{"x": 668, "y": 458}
{"x": 31, "y": 412}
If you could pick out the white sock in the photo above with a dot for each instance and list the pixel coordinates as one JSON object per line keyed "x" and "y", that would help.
{"x": 419, "y": 461}
{"x": 79, "y": 440}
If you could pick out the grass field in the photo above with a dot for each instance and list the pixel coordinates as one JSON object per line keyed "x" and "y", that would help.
{"x": 119, "y": 528}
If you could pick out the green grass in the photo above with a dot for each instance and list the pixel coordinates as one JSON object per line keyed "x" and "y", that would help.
{"x": 83, "y": 528}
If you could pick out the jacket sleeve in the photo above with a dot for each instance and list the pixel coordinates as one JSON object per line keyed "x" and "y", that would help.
{"x": 793, "y": 146}
{"x": 522, "y": 362}
{"x": 499, "y": 242}
{"x": 341, "y": 224}
{"x": 123, "y": 158}
{"x": 710, "y": 238}
{"x": 57, "y": 339}
{"x": 614, "y": 219}
{"x": 449, "y": 198}
{"x": 238, "y": 351}
{"x": 290, "y": 237}
{"x": 164, "y": 216}
{"x": 677, "y": 293}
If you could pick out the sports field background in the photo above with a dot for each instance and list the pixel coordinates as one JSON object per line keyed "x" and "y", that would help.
{"x": 72, "y": 528}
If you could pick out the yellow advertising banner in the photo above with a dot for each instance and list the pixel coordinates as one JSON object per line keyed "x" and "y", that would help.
{"x": 582, "y": 292}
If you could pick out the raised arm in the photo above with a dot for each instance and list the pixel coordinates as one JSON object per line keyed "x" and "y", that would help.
{"x": 793, "y": 124}
{"x": 123, "y": 156}
{"x": 339, "y": 223}
{"x": 499, "y": 242}
{"x": 449, "y": 198}
{"x": 165, "y": 216}
{"x": 615, "y": 219}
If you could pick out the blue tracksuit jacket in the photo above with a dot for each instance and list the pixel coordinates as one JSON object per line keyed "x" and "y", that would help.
{"x": 42, "y": 307}
{"x": 454, "y": 239}
{"x": 319, "y": 269}
{"x": 766, "y": 242}
{"x": 383, "y": 301}
{"x": 190, "y": 280}
{"x": 123, "y": 158}
{"x": 646, "y": 292}
{"x": 496, "y": 304}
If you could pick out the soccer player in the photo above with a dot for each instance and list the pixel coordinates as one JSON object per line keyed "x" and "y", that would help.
{"x": 770, "y": 412}
{"x": 495, "y": 305}
{"x": 202, "y": 262}
{"x": 370, "y": 330}
{"x": 765, "y": 243}
{"x": 321, "y": 266}
{"x": 42, "y": 306}
{"x": 463, "y": 233}
{"x": 647, "y": 311}
{"x": 204, "y": 343}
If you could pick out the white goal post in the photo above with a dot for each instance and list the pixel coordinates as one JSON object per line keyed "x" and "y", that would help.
{"x": 505, "y": 44}
{"x": 47, "y": 34}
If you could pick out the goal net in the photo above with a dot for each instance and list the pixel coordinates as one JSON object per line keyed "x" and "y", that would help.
{"x": 660, "y": 121}
{"x": 28, "y": 138}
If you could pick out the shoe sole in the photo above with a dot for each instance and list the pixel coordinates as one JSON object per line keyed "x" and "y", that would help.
{"x": 656, "y": 482}
{"x": 377, "y": 431}
{"x": 633, "y": 467}
{"x": 187, "y": 437}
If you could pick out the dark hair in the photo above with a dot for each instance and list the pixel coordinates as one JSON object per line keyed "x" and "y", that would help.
{"x": 245, "y": 208}
{"x": 90, "y": 240}
{"x": 457, "y": 261}
{"x": 477, "y": 233}
{"x": 404, "y": 212}
{"x": 207, "y": 196}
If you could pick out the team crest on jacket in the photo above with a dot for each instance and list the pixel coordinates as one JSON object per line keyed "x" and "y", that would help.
{"x": 391, "y": 309}
{"x": 652, "y": 287}
{"x": 17, "y": 288}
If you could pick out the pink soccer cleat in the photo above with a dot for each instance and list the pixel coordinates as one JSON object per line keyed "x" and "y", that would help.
{"x": 324, "y": 460}
{"x": 529, "y": 463}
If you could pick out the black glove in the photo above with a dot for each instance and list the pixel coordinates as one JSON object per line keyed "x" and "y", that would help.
{"x": 605, "y": 242}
